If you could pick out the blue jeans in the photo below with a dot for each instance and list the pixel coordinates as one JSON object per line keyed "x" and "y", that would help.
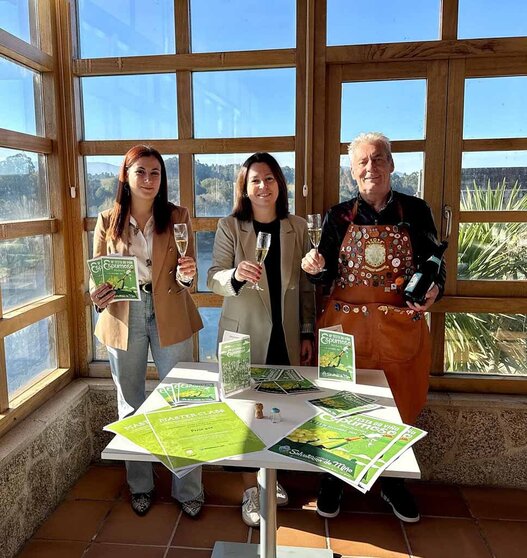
{"x": 129, "y": 374}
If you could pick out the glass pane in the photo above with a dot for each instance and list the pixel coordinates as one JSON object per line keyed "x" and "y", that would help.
{"x": 17, "y": 98}
{"x": 383, "y": 21}
{"x": 130, "y": 107}
{"x": 30, "y": 353}
{"x": 492, "y": 251}
{"x": 244, "y": 103}
{"x": 204, "y": 244}
{"x": 493, "y": 106}
{"x": 99, "y": 350}
{"x": 215, "y": 176}
{"x": 395, "y": 108}
{"x": 407, "y": 177}
{"x": 486, "y": 343}
{"x": 245, "y": 25}
{"x": 15, "y": 18}
{"x": 488, "y": 18}
{"x": 26, "y": 272}
{"x": 493, "y": 180}
{"x": 208, "y": 336}
{"x": 101, "y": 181}
{"x": 23, "y": 186}
{"x": 125, "y": 28}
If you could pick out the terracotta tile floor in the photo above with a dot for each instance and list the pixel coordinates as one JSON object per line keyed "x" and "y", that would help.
{"x": 95, "y": 521}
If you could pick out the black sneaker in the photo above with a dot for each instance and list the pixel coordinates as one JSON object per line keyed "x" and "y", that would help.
{"x": 141, "y": 502}
{"x": 403, "y": 504}
{"x": 329, "y": 496}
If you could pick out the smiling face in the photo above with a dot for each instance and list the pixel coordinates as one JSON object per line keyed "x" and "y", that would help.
{"x": 371, "y": 167}
{"x": 262, "y": 190}
{"x": 144, "y": 178}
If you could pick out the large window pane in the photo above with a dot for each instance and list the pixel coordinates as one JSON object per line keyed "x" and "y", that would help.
{"x": 494, "y": 180}
{"x": 215, "y": 176}
{"x": 395, "y": 108}
{"x": 383, "y": 21}
{"x": 208, "y": 336}
{"x": 492, "y": 251}
{"x": 25, "y": 270}
{"x": 125, "y": 28}
{"x": 15, "y": 18}
{"x": 245, "y": 25}
{"x": 101, "y": 181}
{"x": 17, "y": 98}
{"x": 493, "y": 107}
{"x": 30, "y": 353}
{"x": 488, "y": 18}
{"x": 244, "y": 103}
{"x": 130, "y": 107}
{"x": 407, "y": 177}
{"x": 23, "y": 186}
{"x": 486, "y": 343}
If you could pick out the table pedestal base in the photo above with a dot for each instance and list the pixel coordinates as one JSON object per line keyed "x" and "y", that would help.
{"x": 243, "y": 550}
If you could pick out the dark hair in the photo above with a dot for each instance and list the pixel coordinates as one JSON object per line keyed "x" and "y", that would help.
{"x": 242, "y": 206}
{"x": 162, "y": 209}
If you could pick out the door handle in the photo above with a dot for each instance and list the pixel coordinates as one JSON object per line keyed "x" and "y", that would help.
{"x": 447, "y": 215}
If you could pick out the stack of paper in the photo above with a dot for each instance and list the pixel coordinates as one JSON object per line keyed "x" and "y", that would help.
{"x": 183, "y": 393}
{"x": 281, "y": 381}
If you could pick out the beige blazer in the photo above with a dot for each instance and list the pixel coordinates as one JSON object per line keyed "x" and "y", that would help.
{"x": 176, "y": 315}
{"x": 249, "y": 311}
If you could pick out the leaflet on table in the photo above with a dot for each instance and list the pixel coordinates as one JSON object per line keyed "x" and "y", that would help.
{"x": 188, "y": 436}
{"x": 181, "y": 393}
{"x": 345, "y": 403}
{"x": 409, "y": 438}
{"x": 120, "y": 272}
{"x": 234, "y": 356}
{"x": 281, "y": 381}
{"x": 346, "y": 447}
{"x": 336, "y": 354}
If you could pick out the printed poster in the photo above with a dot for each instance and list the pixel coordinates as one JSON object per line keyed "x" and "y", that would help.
{"x": 336, "y": 355}
{"x": 345, "y": 403}
{"x": 234, "y": 357}
{"x": 120, "y": 272}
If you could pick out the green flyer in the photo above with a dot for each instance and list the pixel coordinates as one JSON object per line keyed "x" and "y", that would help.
{"x": 195, "y": 393}
{"x": 336, "y": 355}
{"x": 167, "y": 393}
{"x": 345, "y": 447}
{"x": 203, "y": 434}
{"x": 410, "y": 437}
{"x": 120, "y": 272}
{"x": 234, "y": 356}
{"x": 345, "y": 403}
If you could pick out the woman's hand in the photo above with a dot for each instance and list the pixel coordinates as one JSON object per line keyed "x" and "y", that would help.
{"x": 102, "y": 295}
{"x": 313, "y": 262}
{"x": 248, "y": 271}
{"x": 186, "y": 268}
{"x": 430, "y": 298}
{"x": 306, "y": 352}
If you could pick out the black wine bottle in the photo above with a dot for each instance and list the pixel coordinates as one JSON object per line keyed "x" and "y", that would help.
{"x": 421, "y": 281}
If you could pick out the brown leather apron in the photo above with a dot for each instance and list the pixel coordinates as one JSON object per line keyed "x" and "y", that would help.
{"x": 374, "y": 263}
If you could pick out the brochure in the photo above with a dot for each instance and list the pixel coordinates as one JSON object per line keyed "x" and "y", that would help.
{"x": 181, "y": 393}
{"x": 336, "y": 355}
{"x": 120, "y": 272}
{"x": 234, "y": 357}
{"x": 345, "y": 447}
{"x": 345, "y": 403}
{"x": 410, "y": 437}
{"x": 281, "y": 381}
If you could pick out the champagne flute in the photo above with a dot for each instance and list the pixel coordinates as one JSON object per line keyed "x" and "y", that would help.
{"x": 181, "y": 236}
{"x": 314, "y": 230}
{"x": 263, "y": 241}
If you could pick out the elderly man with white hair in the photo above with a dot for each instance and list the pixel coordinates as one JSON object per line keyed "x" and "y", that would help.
{"x": 370, "y": 247}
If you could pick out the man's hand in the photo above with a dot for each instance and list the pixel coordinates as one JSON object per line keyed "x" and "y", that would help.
{"x": 313, "y": 262}
{"x": 306, "y": 352}
{"x": 430, "y": 298}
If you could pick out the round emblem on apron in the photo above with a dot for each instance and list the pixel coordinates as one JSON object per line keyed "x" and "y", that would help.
{"x": 366, "y": 236}
{"x": 351, "y": 277}
{"x": 390, "y": 256}
{"x": 374, "y": 233}
{"x": 395, "y": 270}
{"x": 384, "y": 234}
{"x": 395, "y": 228}
{"x": 397, "y": 235}
{"x": 358, "y": 235}
{"x": 356, "y": 310}
{"x": 350, "y": 263}
{"x": 348, "y": 248}
{"x": 405, "y": 238}
{"x": 396, "y": 262}
{"x": 368, "y": 275}
{"x": 346, "y": 309}
{"x": 337, "y": 307}
{"x": 375, "y": 253}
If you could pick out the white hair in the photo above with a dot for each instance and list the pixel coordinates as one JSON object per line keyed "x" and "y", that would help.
{"x": 371, "y": 137}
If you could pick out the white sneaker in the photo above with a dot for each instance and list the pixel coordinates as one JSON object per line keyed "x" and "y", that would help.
{"x": 251, "y": 507}
{"x": 282, "y": 499}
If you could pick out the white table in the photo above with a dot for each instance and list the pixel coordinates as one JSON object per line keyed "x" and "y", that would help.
{"x": 294, "y": 410}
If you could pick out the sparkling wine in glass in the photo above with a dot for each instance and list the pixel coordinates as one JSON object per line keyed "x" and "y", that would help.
{"x": 181, "y": 237}
{"x": 263, "y": 242}
{"x": 314, "y": 230}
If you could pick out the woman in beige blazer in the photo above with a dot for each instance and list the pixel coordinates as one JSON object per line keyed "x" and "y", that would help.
{"x": 280, "y": 317}
{"x": 164, "y": 320}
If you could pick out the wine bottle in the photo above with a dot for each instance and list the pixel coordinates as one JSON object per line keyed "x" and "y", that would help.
{"x": 421, "y": 281}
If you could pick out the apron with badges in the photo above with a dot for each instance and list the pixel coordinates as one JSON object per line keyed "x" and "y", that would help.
{"x": 375, "y": 262}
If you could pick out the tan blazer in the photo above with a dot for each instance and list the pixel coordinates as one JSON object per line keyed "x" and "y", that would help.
{"x": 249, "y": 311}
{"x": 176, "y": 315}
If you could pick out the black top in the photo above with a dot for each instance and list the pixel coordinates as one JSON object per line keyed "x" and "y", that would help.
{"x": 400, "y": 209}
